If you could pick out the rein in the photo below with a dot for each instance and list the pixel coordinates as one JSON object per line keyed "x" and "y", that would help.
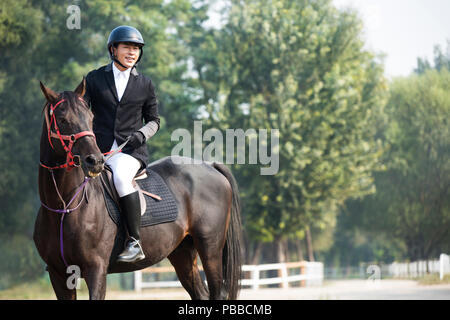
{"x": 72, "y": 161}
{"x": 65, "y": 210}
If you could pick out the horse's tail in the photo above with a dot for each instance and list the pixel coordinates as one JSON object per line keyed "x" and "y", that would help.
{"x": 231, "y": 255}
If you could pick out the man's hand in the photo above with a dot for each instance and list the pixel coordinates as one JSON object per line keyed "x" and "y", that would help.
{"x": 136, "y": 140}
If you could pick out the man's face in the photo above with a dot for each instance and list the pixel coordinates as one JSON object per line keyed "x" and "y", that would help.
{"x": 127, "y": 54}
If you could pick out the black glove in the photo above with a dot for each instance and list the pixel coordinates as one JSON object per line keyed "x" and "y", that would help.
{"x": 136, "y": 140}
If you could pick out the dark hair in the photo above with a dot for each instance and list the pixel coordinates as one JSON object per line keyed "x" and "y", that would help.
{"x": 116, "y": 44}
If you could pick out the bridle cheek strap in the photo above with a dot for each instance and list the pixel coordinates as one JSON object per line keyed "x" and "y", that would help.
{"x": 70, "y": 159}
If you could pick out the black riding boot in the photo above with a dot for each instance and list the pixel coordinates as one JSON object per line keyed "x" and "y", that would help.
{"x": 131, "y": 209}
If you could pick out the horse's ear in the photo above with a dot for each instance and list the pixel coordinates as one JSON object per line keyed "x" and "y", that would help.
{"x": 49, "y": 94}
{"x": 81, "y": 89}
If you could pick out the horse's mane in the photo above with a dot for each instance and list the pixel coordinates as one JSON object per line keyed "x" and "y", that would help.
{"x": 70, "y": 97}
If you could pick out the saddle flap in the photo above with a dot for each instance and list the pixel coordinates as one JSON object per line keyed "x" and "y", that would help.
{"x": 141, "y": 197}
{"x": 108, "y": 184}
{"x": 160, "y": 202}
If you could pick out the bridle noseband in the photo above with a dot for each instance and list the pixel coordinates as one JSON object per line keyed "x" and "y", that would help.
{"x": 72, "y": 161}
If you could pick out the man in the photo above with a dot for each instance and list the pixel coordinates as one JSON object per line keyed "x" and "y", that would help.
{"x": 125, "y": 107}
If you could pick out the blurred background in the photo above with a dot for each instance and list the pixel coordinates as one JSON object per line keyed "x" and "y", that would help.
{"x": 359, "y": 90}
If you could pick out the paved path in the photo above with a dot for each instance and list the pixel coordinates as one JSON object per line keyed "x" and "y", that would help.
{"x": 356, "y": 290}
{"x": 331, "y": 290}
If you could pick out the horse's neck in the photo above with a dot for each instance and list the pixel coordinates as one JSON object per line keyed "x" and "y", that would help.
{"x": 59, "y": 183}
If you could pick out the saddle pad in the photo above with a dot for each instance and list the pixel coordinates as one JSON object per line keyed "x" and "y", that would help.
{"x": 157, "y": 211}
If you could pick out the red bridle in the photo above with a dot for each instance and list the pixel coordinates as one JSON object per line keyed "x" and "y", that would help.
{"x": 70, "y": 159}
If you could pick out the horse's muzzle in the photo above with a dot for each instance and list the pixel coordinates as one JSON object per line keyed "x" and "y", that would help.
{"x": 93, "y": 165}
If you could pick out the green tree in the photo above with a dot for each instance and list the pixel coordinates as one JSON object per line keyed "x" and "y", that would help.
{"x": 20, "y": 25}
{"x": 409, "y": 216}
{"x": 441, "y": 60}
{"x": 417, "y": 186}
{"x": 35, "y": 44}
{"x": 298, "y": 67}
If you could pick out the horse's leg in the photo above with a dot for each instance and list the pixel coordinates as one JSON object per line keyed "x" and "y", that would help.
{"x": 184, "y": 260}
{"x": 95, "y": 277}
{"x": 211, "y": 255}
{"x": 59, "y": 284}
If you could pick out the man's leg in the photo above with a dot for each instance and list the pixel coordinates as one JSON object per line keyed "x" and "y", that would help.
{"x": 124, "y": 169}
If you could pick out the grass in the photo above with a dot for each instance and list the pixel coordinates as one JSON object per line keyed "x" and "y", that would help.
{"x": 40, "y": 289}
{"x": 432, "y": 279}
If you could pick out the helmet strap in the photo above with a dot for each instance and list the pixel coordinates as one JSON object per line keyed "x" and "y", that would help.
{"x": 117, "y": 60}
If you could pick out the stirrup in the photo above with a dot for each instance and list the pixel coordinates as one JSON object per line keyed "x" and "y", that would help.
{"x": 130, "y": 245}
{"x": 136, "y": 242}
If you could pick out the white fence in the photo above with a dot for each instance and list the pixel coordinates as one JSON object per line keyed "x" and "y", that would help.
{"x": 310, "y": 274}
{"x": 444, "y": 265}
{"x": 419, "y": 268}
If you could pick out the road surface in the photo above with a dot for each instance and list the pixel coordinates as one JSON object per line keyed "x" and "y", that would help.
{"x": 331, "y": 290}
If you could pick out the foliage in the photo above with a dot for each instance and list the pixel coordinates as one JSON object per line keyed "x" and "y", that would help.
{"x": 298, "y": 67}
{"x": 419, "y": 109}
{"x": 35, "y": 44}
{"x": 19, "y": 260}
{"x": 410, "y": 211}
{"x": 365, "y": 170}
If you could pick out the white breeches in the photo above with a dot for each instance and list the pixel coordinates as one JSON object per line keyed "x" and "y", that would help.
{"x": 124, "y": 168}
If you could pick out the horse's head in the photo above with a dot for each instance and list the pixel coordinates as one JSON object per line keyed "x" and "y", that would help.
{"x": 69, "y": 127}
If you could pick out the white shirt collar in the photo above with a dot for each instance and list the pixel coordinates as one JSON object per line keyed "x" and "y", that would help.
{"x": 117, "y": 72}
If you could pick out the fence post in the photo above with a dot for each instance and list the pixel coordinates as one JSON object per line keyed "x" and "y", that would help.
{"x": 284, "y": 276}
{"x": 309, "y": 273}
{"x": 255, "y": 278}
{"x": 444, "y": 265}
{"x": 303, "y": 272}
{"x": 138, "y": 281}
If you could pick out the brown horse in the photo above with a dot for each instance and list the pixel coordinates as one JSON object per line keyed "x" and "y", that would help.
{"x": 73, "y": 227}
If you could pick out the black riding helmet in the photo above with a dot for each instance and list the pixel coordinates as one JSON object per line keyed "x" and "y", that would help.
{"x": 125, "y": 34}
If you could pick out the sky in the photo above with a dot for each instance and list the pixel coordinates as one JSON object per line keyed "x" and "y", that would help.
{"x": 403, "y": 29}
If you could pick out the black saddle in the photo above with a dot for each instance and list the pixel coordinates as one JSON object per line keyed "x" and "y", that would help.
{"x": 158, "y": 204}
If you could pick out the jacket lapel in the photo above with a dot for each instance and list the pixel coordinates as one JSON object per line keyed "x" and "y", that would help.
{"x": 130, "y": 85}
{"x": 109, "y": 75}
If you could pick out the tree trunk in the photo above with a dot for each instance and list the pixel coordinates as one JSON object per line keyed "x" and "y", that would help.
{"x": 309, "y": 244}
{"x": 256, "y": 253}
{"x": 298, "y": 244}
{"x": 246, "y": 248}
{"x": 280, "y": 245}
{"x": 280, "y": 248}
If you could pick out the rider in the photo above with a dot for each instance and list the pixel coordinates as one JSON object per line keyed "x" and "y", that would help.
{"x": 124, "y": 105}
